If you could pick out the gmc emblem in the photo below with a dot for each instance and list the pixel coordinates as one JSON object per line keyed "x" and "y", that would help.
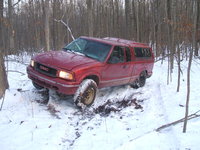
{"x": 44, "y": 68}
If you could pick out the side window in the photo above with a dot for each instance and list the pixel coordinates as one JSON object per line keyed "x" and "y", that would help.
{"x": 117, "y": 55}
{"x": 147, "y": 52}
{"x": 128, "y": 54}
{"x": 142, "y": 52}
{"x": 138, "y": 52}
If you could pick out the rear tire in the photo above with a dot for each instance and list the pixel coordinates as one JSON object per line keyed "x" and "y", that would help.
{"x": 142, "y": 79}
{"x": 86, "y": 93}
{"x": 38, "y": 87}
{"x": 140, "y": 82}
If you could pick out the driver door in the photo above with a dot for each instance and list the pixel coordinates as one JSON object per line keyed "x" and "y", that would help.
{"x": 116, "y": 71}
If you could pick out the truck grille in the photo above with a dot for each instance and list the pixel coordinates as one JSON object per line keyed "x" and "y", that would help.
{"x": 45, "y": 70}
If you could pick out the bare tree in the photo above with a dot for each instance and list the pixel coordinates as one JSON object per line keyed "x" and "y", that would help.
{"x": 3, "y": 77}
{"x": 11, "y": 31}
{"x": 196, "y": 51}
{"x": 128, "y": 20}
{"x": 138, "y": 20}
{"x": 190, "y": 63}
{"x": 46, "y": 23}
{"x": 90, "y": 17}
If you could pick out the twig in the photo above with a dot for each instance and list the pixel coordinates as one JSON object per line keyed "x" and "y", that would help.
{"x": 2, "y": 102}
{"x": 196, "y": 61}
{"x": 192, "y": 116}
{"x": 148, "y": 132}
{"x": 32, "y": 109}
{"x": 14, "y": 60}
{"x": 163, "y": 57}
{"x": 16, "y": 72}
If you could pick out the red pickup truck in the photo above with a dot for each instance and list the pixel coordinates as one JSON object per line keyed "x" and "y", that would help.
{"x": 87, "y": 64}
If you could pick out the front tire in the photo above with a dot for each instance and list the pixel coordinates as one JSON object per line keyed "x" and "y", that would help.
{"x": 38, "y": 87}
{"x": 86, "y": 93}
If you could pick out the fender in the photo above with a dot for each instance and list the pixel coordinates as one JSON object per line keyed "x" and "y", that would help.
{"x": 87, "y": 74}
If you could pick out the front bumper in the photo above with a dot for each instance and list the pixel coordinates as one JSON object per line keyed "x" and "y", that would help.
{"x": 60, "y": 85}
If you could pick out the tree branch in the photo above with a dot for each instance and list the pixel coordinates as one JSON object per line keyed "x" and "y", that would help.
{"x": 16, "y": 3}
{"x": 66, "y": 25}
{"x": 16, "y": 72}
{"x": 192, "y": 116}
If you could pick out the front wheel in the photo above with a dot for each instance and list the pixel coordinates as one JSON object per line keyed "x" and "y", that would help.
{"x": 86, "y": 93}
{"x": 38, "y": 87}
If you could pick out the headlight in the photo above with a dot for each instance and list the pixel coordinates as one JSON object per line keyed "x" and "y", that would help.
{"x": 32, "y": 63}
{"x": 66, "y": 75}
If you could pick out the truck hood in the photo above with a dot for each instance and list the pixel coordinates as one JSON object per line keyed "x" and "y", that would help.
{"x": 63, "y": 59}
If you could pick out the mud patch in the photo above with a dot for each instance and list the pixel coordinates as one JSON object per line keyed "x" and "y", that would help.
{"x": 108, "y": 107}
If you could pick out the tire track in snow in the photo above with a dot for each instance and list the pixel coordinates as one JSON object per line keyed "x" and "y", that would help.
{"x": 171, "y": 137}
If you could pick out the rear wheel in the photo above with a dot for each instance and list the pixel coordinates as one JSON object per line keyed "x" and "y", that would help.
{"x": 142, "y": 79}
{"x": 38, "y": 87}
{"x": 86, "y": 93}
{"x": 140, "y": 82}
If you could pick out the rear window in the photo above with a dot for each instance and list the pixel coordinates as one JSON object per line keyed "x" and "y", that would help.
{"x": 142, "y": 52}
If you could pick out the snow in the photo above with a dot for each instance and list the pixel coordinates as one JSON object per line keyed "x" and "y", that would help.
{"x": 27, "y": 124}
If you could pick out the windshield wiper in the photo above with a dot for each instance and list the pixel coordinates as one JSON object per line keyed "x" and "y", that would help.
{"x": 66, "y": 49}
{"x": 75, "y": 52}
{"x": 88, "y": 56}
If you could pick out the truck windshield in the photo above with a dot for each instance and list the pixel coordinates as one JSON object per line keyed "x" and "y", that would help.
{"x": 89, "y": 48}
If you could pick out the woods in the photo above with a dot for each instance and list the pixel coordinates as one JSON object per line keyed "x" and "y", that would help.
{"x": 164, "y": 24}
{"x": 171, "y": 27}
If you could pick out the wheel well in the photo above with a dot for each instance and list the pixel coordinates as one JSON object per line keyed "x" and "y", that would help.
{"x": 93, "y": 77}
{"x": 146, "y": 72}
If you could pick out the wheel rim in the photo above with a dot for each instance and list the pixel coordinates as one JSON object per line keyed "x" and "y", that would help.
{"x": 89, "y": 96}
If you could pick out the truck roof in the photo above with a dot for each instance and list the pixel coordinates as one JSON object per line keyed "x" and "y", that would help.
{"x": 117, "y": 41}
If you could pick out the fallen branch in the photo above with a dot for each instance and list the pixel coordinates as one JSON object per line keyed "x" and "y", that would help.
{"x": 16, "y": 72}
{"x": 3, "y": 98}
{"x": 66, "y": 25}
{"x": 192, "y": 116}
{"x": 18, "y": 61}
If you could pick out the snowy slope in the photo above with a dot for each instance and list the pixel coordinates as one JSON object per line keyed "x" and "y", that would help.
{"x": 27, "y": 124}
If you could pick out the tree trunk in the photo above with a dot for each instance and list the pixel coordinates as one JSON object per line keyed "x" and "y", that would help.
{"x": 179, "y": 69}
{"x": 138, "y": 21}
{"x": 188, "y": 91}
{"x": 46, "y": 24}
{"x": 90, "y": 17}
{"x": 127, "y": 17}
{"x": 189, "y": 65}
{"x": 196, "y": 51}
{"x": 11, "y": 31}
{"x": 3, "y": 76}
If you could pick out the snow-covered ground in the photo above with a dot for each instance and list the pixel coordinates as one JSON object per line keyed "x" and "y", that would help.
{"x": 27, "y": 124}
